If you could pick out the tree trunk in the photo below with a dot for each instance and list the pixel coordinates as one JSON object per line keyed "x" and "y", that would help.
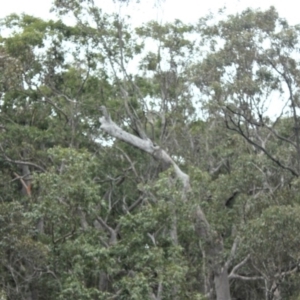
{"x": 221, "y": 282}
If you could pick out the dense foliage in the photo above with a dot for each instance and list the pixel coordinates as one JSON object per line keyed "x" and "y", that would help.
{"x": 86, "y": 216}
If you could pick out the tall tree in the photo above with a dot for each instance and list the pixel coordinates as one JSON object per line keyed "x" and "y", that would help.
{"x": 144, "y": 163}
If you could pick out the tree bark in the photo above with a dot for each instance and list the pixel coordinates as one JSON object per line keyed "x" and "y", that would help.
{"x": 221, "y": 282}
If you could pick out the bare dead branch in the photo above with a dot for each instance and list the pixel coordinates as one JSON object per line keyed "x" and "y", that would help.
{"x": 146, "y": 145}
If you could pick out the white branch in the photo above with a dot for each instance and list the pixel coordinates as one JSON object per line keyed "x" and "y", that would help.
{"x": 146, "y": 145}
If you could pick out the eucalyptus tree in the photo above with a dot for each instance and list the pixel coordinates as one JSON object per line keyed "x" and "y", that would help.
{"x": 250, "y": 80}
{"x": 79, "y": 220}
{"x": 115, "y": 187}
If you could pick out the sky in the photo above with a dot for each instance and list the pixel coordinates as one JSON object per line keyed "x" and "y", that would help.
{"x": 166, "y": 10}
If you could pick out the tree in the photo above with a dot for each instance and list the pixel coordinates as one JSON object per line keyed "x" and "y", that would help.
{"x": 121, "y": 180}
{"x": 253, "y": 64}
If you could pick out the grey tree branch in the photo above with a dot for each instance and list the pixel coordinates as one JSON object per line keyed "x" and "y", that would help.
{"x": 239, "y": 265}
{"x": 232, "y": 252}
{"x": 233, "y": 274}
{"x": 147, "y": 146}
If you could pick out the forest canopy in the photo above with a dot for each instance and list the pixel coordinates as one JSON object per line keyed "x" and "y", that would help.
{"x": 159, "y": 162}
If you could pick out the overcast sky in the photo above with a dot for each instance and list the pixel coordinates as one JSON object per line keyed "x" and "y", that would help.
{"x": 167, "y": 10}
